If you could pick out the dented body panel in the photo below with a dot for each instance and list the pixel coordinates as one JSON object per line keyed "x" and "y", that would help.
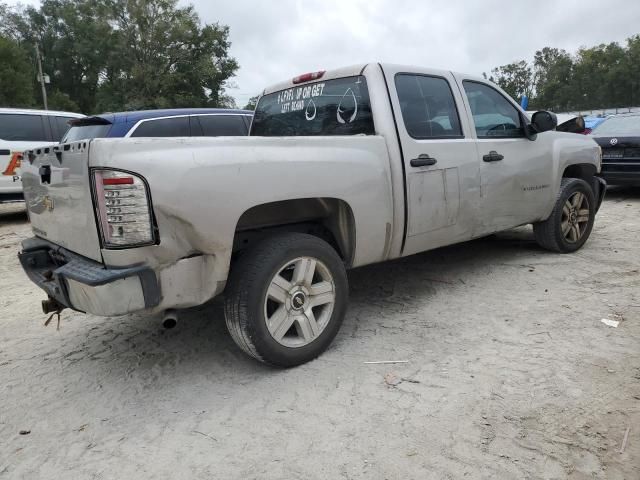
{"x": 211, "y": 196}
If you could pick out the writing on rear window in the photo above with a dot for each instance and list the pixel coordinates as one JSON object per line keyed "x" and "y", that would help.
{"x": 333, "y": 107}
{"x": 294, "y": 99}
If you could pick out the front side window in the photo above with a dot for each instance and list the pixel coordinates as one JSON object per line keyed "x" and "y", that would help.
{"x": 428, "y": 107}
{"x": 22, "y": 128}
{"x": 332, "y": 107}
{"x": 164, "y": 127}
{"x": 493, "y": 115}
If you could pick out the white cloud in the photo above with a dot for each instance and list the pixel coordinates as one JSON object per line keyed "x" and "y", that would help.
{"x": 275, "y": 40}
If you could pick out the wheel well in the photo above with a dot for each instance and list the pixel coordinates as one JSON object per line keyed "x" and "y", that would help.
{"x": 585, "y": 171}
{"x": 328, "y": 218}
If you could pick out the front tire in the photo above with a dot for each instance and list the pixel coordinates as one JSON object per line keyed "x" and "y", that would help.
{"x": 286, "y": 298}
{"x": 570, "y": 224}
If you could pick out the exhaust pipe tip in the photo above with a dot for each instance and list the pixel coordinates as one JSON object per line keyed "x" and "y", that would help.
{"x": 170, "y": 319}
{"x": 169, "y": 323}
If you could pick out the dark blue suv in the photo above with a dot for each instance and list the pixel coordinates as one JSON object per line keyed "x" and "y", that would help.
{"x": 186, "y": 122}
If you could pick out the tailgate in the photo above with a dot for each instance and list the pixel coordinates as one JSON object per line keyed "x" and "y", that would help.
{"x": 57, "y": 192}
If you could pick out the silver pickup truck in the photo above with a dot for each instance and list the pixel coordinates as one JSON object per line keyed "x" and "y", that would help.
{"x": 343, "y": 168}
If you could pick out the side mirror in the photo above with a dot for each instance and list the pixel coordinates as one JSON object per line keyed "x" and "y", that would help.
{"x": 544, "y": 121}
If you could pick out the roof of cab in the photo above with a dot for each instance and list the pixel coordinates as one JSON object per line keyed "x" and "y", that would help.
{"x": 30, "y": 111}
{"x": 356, "y": 70}
{"x": 328, "y": 75}
{"x": 136, "y": 116}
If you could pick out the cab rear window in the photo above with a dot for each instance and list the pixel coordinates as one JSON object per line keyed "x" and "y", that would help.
{"x": 332, "y": 107}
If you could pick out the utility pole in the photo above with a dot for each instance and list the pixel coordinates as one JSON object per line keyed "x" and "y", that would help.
{"x": 41, "y": 77}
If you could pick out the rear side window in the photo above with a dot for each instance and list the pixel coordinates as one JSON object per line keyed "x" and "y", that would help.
{"x": 428, "y": 107}
{"x": 22, "y": 128}
{"x": 164, "y": 127}
{"x": 493, "y": 115}
{"x": 59, "y": 126}
{"x": 333, "y": 107}
{"x": 220, "y": 125}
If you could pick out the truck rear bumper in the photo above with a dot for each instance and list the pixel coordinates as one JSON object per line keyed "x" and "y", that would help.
{"x": 85, "y": 285}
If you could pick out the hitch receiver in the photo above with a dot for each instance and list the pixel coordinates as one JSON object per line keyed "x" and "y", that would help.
{"x": 51, "y": 305}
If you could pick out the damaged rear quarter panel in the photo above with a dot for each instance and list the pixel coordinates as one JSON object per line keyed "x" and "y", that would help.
{"x": 200, "y": 187}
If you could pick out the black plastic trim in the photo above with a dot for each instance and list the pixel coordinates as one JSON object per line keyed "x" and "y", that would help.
{"x": 404, "y": 173}
{"x": 602, "y": 190}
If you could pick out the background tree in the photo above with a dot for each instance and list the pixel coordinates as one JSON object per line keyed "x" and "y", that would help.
{"x": 170, "y": 61}
{"x": 252, "y": 103}
{"x": 15, "y": 74}
{"x": 603, "y": 76}
{"x": 514, "y": 78}
{"x": 126, "y": 54}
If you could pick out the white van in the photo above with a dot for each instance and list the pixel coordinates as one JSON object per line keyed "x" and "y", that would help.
{"x": 22, "y": 130}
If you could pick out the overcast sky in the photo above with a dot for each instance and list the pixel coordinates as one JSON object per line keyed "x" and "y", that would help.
{"x": 275, "y": 40}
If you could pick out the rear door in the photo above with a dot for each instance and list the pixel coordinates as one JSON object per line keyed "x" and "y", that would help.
{"x": 516, "y": 173}
{"x": 440, "y": 158}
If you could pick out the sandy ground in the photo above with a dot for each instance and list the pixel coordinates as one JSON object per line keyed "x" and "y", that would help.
{"x": 511, "y": 374}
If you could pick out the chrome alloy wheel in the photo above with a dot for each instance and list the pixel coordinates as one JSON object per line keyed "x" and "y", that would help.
{"x": 299, "y": 302}
{"x": 575, "y": 217}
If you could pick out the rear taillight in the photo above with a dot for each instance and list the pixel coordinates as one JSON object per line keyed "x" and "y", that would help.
{"x": 307, "y": 77}
{"x": 123, "y": 209}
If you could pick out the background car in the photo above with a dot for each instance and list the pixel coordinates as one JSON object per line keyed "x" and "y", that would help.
{"x": 20, "y": 130}
{"x": 188, "y": 122}
{"x": 619, "y": 138}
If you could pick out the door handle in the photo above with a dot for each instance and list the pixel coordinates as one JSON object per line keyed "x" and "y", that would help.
{"x": 423, "y": 160}
{"x": 492, "y": 156}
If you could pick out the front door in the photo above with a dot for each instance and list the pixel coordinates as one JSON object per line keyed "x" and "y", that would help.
{"x": 440, "y": 160}
{"x": 516, "y": 173}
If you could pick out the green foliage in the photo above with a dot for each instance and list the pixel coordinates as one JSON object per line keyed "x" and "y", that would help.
{"x": 109, "y": 55}
{"x": 603, "y": 76}
{"x": 514, "y": 78}
{"x": 16, "y": 73}
{"x": 252, "y": 103}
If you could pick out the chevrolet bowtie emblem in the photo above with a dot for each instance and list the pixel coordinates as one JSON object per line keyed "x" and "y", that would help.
{"x": 47, "y": 201}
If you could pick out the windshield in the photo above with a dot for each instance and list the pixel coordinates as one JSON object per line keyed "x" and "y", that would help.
{"x": 332, "y": 107}
{"x": 86, "y": 132}
{"x": 619, "y": 126}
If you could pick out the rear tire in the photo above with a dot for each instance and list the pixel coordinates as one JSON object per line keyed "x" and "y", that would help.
{"x": 571, "y": 221}
{"x": 286, "y": 298}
